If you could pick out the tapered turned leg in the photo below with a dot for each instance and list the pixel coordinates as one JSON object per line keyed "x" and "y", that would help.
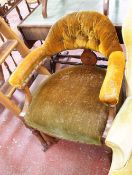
{"x": 45, "y": 140}
{"x": 48, "y": 139}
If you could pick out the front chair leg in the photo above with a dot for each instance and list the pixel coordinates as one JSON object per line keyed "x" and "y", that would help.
{"x": 49, "y": 139}
{"x": 39, "y": 136}
{"x": 45, "y": 140}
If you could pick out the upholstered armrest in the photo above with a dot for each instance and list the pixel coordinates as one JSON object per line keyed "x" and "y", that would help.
{"x": 30, "y": 63}
{"x": 110, "y": 89}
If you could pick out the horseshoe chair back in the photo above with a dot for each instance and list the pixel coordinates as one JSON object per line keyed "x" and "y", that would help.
{"x": 74, "y": 103}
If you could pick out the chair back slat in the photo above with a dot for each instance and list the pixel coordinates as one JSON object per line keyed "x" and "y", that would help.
{"x": 6, "y": 48}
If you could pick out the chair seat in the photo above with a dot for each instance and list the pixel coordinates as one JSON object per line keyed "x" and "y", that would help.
{"x": 67, "y": 105}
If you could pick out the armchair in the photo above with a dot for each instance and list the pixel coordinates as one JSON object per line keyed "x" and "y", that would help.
{"x": 67, "y": 104}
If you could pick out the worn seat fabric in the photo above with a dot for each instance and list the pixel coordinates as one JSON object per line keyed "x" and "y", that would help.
{"x": 67, "y": 105}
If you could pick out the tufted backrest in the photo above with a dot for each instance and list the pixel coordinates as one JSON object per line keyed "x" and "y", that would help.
{"x": 86, "y": 30}
{"x": 83, "y": 30}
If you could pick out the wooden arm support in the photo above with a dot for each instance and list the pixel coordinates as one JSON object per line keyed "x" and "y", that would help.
{"x": 110, "y": 89}
{"x": 30, "y": 64}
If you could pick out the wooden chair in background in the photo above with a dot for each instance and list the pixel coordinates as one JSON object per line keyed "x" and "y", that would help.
{"x": 7, "y": 6}
{"x": 12, "y": 41}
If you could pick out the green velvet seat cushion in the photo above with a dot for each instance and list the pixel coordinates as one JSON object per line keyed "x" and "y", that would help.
{"x": 67, "y": 105}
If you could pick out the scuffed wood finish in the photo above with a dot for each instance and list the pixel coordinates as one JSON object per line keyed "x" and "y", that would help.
{"x": 28, "y": 96}
{"x": 43, "y": 70}
{"x": 6, "y": 92}
{"x": 5, "y": 101}
{"x": 9, "y": 34}
{"x": 12, "y": 41}
{"x": 44, "y": 8}
{"x": 6, "y": 49}
{"x": 7, "y": 89}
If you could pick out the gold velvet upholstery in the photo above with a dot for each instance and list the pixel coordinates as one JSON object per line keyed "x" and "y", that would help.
{"x": 86, "y": 30}
{"x": 67, "y": 105}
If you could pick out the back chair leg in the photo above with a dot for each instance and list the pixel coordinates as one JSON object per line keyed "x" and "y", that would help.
{"x": 52, "y": 65}
{"x": 28, "y": 6}
{"x": 19, "y": 14}
{"x": 44, "y": 8}
{"x": 49, "y": 139}
{"x": 7, "y": 67}
{"x": 13, "y": 60}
